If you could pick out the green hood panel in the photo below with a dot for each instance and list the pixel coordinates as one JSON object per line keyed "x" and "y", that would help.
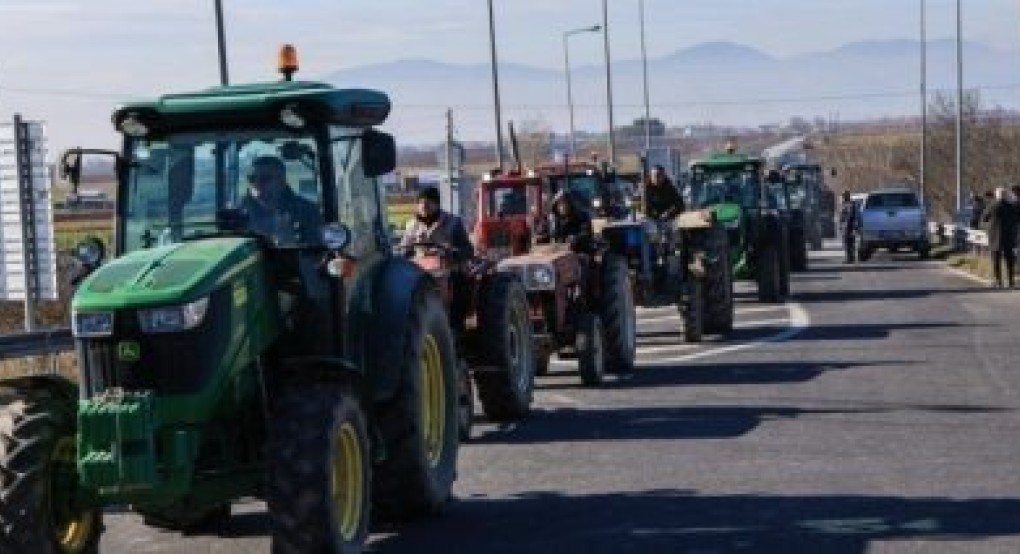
{"x": 166, "y": 275}
{"x": 727, "y": 212}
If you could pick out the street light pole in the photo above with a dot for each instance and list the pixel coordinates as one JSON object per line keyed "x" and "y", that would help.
{"x": 495, "y": 88}
{"x": 609, "y": 81}
{"x": 570, "y": 91}
{"x": 644, "y": 71}
{"x": 221, "y": 41}
{"x": 924, "y": 101}
{"x": 959, "y": 106}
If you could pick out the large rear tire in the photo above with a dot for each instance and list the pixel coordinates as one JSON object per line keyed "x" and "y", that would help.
{"x": 591, "y": 351}
{"x": 319, "y": 471}
{"x": 419, "y": 423}
{"x": 506, "y": 386}
{"x": 692, "y": 304}
{"x": 769, "y": 278}
{"x": 718, "y": 289}
{"x": 38, "y": 477}
{"x": 798, "y": 252}
{"x": 619, "y": 317}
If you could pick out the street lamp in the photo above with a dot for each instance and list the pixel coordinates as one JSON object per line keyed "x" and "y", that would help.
{"x": 609, "y": 81}
{"x": 221, "y": 41}
{"x": 495, "y": 88}
{"x": 644, "y": 74}
{"x": 566, "y": 69}
{"x": 959, "y": 106}
{"x": 924, "y": 102}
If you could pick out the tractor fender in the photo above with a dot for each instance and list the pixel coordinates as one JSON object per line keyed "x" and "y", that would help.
{"x": 392, "y": 297}
{"x": 59, "y": 385}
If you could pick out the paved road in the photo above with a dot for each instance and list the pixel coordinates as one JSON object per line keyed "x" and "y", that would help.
{"x": 878, "y": 412}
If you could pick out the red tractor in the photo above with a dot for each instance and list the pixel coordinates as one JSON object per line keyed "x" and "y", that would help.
{"x": 489, "y": 313}
{"x": 581, "y": 303}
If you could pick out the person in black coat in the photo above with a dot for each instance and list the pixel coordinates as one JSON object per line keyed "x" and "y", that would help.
{"x": 1000, "y": 222}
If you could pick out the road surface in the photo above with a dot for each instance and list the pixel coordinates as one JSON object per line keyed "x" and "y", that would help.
{"x": 877, "y": 412}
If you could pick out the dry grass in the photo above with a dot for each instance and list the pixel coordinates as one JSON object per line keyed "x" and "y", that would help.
{"x": 977, "y": 265}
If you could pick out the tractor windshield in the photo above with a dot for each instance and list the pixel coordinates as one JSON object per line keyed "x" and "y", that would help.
{"x": 510, "y": 200}
{"x": 584, "y": 187}
{"x": 178, "y": 186}
{"x": 711, "y": 186}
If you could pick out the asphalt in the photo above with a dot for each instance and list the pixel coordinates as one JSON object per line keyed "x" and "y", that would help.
{"x": 876, "y": 412}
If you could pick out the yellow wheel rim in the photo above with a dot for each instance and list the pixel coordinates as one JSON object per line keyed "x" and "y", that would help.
{"x": 433, "y": 400}
{"x": 72, "y": 530}
{"x": 347, "y": 487}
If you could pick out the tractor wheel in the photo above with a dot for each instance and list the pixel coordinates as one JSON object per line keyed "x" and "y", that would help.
{"x": 419, "y": 423}
{"x": 769, "y": 279}
{"x": 39, "y": 480}
{"x": 784, "y": 267}
{"x": 799, "y": 252}
{"x": 618, "y": 317}
{"x": 466, "y": 404}
{"x": 718, "y": 289}
{"x": 508, "y": 349}
{"x": 542, "y": 363}
{"x": 692, "y": 306}
{"x": 864, "y": 253}
{"x": 591, "y": 350}
{"x": 319, "y": 470}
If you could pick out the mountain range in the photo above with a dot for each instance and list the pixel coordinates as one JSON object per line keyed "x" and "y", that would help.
{"x": 722, "y": 83}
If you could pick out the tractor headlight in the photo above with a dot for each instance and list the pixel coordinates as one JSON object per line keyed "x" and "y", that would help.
{"x": 171, "y": 319}
{"x": 92, "y": 324}
{"x": 597, "y": 203}
{"x": 540, "y": 277}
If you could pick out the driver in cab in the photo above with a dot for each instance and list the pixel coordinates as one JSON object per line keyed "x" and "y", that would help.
{"x": 431, "y": 224}
{"x": 275, "y": 210}
{"x": 662, "y": 200}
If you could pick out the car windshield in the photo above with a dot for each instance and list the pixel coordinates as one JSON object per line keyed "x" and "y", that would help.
{"x": 891, "y": 200}
{"x": 178, "y": 187}
{"x": 710, "y": 186}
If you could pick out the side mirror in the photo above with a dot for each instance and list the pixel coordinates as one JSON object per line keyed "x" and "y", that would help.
{"x": 70, "y": 168}
{"x": 379, "y": 153}
{"x": 336, "y": 236}
{"x": 89, "y": 253}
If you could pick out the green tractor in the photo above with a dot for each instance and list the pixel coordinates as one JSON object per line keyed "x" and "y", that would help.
{"x": 247, "y": 339}
{"x": 734, "y": 187}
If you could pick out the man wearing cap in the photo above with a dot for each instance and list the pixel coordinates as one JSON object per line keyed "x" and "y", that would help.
{"x": 433, "y": 225}
{"x": 275, "y": 210}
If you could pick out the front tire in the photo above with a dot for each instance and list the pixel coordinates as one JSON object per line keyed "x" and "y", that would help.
{"x": 419, "y": 423}
{"x": 508, "y": 348}
{"x": 769, "y": 269}
{"x": 692, "y": 306}
{"x": 38, "y": 478}
{"x": 719, "y": 311}
{"x": 619, "y": 317}
{"x": 591, "y": 352}
{"x": 320, "y": 471}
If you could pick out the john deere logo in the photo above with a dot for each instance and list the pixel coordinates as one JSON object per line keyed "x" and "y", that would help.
{"x": 129, "y": 351}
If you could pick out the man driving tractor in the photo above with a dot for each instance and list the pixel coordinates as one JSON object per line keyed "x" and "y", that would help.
{"x": 274, "y": 209}
{"x": 662, "y": 200}
{"x": 431, "y": 224}
{"x": 567, "y": 225}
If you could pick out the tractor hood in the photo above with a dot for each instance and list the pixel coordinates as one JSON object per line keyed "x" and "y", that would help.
{"x": 727, "y": 212}
{"x": 166, "y": 275}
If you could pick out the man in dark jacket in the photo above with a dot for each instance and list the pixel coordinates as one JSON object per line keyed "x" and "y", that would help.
{"x": 275, "y": 210}
{"x": 662, "y": 200}
{"x": 848, "y": 225}
{"x": 1000, "y": 222}
{"x": 977, "y": 209}
{"x": 433, "y": 225}
{"x": 568, "y": 224}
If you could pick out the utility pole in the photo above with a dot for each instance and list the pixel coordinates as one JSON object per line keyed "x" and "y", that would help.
{"x": 644, "y": 72}
{"x": 959, "y": 106}
{"x": 221, "y": 40}
{"x": 495, "y": 87}
{"x": 609, "y": 81}
{"x": 924, "y": 103}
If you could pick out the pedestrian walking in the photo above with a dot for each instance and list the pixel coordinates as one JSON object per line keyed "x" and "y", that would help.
{"x": 977, "y": 209}
{"x": 1000, "y": 222}
{"x": 848, "y": 224}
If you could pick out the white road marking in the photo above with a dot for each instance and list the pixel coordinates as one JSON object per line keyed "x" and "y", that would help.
{"x": 759, "y": 323}
{"x": 799, "y": 322}
{"x": 665, "y": 348}
{"x": 757, "y": 309}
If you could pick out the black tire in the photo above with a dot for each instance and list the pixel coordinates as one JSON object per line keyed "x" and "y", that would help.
{"x": 37, "y": 454}
{"x": 413, "y": 480}
{"x": 542, "y": 363}
{"x": 619, "y": 318}
{"x": 316, "y": 431}
{"x": 465, "y": 404}
{"x": 784, "y": 265}
{"x": 718, "y": 289}
{"x": 591, "y": 351}
{"x": 769, "y": 279}
{"x": 506, "y": 386}
{"x": 924, "y": 251}
{"x": 799, "y": 252}
{"x": 692, "y": 304}
{"x": 864, "y": 253}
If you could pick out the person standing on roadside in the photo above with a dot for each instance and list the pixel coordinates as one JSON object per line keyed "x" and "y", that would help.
{"x": 848, "y": 223}
{"x": 1000, "y": 222}
{"x": 977, "y": 209}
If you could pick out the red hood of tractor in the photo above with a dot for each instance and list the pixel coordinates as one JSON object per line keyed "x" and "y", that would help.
{"x": 510, "y": 235}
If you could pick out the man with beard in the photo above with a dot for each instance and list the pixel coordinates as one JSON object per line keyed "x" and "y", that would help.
{"x": 433, "y": 225}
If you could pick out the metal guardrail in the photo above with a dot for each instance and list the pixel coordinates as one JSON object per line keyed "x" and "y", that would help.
{"x": 37, "y": 343}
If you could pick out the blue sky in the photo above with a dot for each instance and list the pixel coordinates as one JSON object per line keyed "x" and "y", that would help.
{"x": 102, "y": 50}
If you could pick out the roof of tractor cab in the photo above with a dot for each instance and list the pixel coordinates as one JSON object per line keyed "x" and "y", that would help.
{"x": 259, "y": 104}
{"x": 725, "y": 160}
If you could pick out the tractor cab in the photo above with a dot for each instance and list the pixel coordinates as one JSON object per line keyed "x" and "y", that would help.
{"x": 509, "y": 205}
{"x": 600, "y": 190}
